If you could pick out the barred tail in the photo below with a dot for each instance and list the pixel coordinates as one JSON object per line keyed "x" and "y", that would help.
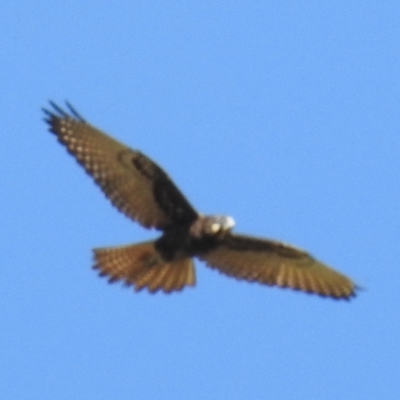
{"x": 142, "y": 266}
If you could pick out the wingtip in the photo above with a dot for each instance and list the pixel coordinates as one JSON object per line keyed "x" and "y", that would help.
{"x": 74, "y": 112}
{"x": 58, "y": 112}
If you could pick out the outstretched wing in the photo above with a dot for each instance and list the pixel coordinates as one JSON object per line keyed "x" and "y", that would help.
{"x": 273, "y": 263}
{"x": 134, "y": 184}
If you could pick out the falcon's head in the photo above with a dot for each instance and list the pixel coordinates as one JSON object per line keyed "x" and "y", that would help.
{"x": 213, "y": 225}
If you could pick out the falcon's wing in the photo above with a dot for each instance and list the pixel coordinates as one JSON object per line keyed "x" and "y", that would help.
{"x": 134, "y": 184}
{"x": 273, "y": 263}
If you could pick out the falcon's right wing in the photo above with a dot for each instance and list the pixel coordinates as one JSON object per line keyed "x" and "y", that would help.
{"x": 274, "y": 263}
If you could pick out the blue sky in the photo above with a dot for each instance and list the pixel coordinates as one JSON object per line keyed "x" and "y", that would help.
{"x": 285, "y": 115}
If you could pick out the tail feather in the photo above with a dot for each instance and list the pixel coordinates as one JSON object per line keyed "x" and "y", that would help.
{"x": 142, "y": 266}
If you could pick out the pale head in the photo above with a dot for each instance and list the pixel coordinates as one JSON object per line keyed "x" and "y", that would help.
{"x": 212, "y": 225}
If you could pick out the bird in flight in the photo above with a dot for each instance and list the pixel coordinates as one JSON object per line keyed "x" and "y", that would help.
{"x": 141, "y": 190}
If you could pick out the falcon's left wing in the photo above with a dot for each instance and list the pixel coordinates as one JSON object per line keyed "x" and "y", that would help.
{"x": 135, "y": 184}
{"x": 273, "y": 263}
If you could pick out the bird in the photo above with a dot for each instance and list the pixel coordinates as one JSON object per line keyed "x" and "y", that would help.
{"x": 144, "y": 192}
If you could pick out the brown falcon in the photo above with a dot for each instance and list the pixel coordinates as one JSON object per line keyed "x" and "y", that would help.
{"x": 144, "y": 192}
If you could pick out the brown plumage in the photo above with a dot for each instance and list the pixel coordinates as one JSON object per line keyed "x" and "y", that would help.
{"x": 143, "y": 192}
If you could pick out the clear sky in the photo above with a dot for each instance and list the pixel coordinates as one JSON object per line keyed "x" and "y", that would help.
{"x": 285, "y": 115}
